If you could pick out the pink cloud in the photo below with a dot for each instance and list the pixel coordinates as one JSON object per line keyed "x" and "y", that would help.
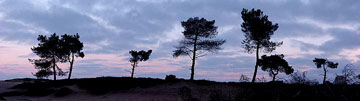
{"x": 12, "y": 58}
{"x": 160, "y": 65}
{"x": 109, "y": 60}
{"x": 351, "y": 54}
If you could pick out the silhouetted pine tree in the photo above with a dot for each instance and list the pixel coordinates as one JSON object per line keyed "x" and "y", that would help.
{"x": 275, "y": 64}
{"x": 198, "y": 40}
{"x": 324, "y": 63}
{"x": 258, "y": 31}
{"x": 138, "y": 56}
{"x": 50, "y": 50}
{"x": 74, "y": 47}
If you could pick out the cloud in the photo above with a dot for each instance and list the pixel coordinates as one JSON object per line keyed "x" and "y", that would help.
{"x": 352, "y": 55}
{"x": 174, "y": 34}
{"x": 11, "y": 64}
{"x": 326, "y": 26}
{"x": 315, "y": 39}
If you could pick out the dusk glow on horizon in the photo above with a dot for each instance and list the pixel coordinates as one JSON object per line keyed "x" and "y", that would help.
{"x": 109, "y": 29}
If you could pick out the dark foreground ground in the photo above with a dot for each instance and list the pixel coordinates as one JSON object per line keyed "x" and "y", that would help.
{"x": 149, "y": 89}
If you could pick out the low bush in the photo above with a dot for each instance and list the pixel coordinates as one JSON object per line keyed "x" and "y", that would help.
{"x": 170, "y": 78}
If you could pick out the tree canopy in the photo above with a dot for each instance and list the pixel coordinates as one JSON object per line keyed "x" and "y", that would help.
{"x": 50, "y": 50}
{"x": 324, "y": 63}
{"x": 258, "y": 31}
{"x": 54, "y": 49}
{"x": 138, "y": 56}
{"x": 275, "y": 64}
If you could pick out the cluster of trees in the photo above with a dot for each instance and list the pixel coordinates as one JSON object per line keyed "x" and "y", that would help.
{"x": 54, "y": 49}
{"x": 199, "y": 40}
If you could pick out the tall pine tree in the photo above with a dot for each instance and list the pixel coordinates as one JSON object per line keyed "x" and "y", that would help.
{"x": 257, "y": 31}
{"x": 198, "y": 40}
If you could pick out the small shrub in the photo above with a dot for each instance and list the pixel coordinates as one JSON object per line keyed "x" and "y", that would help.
{"x": 244, "y": 78}
{"x": 300, "y": 78}
{"x": 277, "y": 82}
{"x": 328, "y": 82}
{"x": 170, "y": 77}
{"x": 262, "y": 79}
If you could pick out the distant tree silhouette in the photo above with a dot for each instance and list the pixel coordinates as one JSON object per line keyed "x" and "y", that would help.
{"x": 258, "y": 31}
{"x": 244, "y": 78}
{"x": 74, "y": 47}
{"x": 138, "y": 56}
{"x": 51, "y": 51}
{"x": 262, "y": 79}
{"x": 324, "y": 63}
{"x": 275, "y": 64}
{"x": 300, "y": 78}
{"x": 348, "y": 75}
{"x": 198, "y": 40}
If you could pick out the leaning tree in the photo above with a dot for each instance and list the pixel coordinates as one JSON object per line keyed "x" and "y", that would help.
{"x": 198, "y": 40}
{"x": 138, "y": 56}
{"x": 325, "y": 64}
{"x": 275, "y": 64}
{"x": 74, "y": 47}
{"x": 50, "y": 51}
{"x": 258, "y": 31}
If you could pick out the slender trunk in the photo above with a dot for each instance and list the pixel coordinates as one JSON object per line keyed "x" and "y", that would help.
{"x": 345, "y": 75}
{"x": 71, "y": 66}
{"x": 273, "y": 79}
{"x": 324, "y": 74}
{"x": 54, "y": 67}
{"x": 133, "y": 69}
{"x": 274, "y": 75}
{"x": 193, "y": 59}
{"x": 257, "y": 64}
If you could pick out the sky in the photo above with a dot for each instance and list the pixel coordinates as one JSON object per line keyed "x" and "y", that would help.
{"x": 109, "y": 29}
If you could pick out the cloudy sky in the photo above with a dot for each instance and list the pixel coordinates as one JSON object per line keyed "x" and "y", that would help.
{"x": 110, "y": 28}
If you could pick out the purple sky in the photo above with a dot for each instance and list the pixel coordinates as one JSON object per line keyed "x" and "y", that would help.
{"x": 110, "y": 28}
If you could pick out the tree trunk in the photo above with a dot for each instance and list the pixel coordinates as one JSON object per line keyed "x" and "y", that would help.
{"x": 71, "y": 66}
{"x": 193, "y": 60}
{"x": 324, "y": 74}
{"x": 54, "y": 67}
{"x": 133, "y": 69}
{"x": 274, "y": 75}
{"x": 257, "y": 64}
{"x": 273, "y": 79}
